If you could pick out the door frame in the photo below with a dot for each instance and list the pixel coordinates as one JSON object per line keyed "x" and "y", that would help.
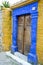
{"x": 27, "y": 9}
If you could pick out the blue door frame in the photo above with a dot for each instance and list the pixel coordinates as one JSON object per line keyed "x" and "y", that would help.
{"x": 33, "y": 10}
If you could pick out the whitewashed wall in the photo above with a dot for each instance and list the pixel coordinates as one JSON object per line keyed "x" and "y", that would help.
{"x": 1, "y": 33}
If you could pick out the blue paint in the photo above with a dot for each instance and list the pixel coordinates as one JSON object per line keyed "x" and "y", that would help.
{"x": 33, "y": 10}
{"x": 32, "y": 56}
{"x": 14, "y": 47}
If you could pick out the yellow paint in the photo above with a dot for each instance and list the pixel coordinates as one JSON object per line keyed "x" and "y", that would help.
{"x": 6, "y": 29}
{"x": 40, "y": 32}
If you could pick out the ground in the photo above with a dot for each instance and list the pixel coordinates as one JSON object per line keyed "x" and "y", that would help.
{"x": 6, "y": 60}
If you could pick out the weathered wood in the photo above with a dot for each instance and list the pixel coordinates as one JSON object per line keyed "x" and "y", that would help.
{"x": 20, "y": 33}
{"x": 24, "y": 34}
{"x": 27, "y": 36}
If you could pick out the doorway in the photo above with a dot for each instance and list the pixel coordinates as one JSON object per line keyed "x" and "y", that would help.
{"x": 24, "y": 34}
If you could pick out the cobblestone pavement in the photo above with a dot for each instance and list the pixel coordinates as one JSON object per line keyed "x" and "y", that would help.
{"x": 6, "y": 60}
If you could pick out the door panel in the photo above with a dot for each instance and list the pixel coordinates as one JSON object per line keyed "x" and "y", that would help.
{"x": 20, "y": 33}
{"x": 24, "y": 34}
{"x": 27, "y": 38}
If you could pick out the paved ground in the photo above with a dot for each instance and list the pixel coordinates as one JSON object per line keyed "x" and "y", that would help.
{"x": 6, "y": 60}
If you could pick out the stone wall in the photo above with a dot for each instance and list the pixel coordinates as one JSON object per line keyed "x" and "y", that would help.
{"x": 6, "y": 29}
{"x": 1, "y": 33}
{"x": 40, "y": 31}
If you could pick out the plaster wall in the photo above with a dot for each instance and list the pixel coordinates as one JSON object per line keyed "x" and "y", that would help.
{"x": 40, "y": 31}
{"x": 6, "y": 29}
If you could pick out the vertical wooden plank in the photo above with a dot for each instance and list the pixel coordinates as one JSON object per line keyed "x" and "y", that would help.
{"x": 27, "y": 37}
{"x": 20, "y": 33}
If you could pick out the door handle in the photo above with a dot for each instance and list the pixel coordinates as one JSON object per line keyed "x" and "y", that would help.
{"x": 24, "y": 28}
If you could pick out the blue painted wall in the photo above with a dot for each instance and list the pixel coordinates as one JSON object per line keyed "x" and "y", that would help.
{"x": 33, "y": 10}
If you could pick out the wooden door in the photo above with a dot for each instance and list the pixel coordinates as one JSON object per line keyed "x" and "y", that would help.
{"x": 24, "y": 34}
{"x": 27, "y": 34}
{"x": 20, "y": 33}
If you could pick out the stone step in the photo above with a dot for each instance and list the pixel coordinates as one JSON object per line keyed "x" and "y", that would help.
{"x": 21, "y": 56}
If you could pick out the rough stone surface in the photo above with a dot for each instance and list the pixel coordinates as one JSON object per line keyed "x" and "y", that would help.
{"x": 40, "y": 32}
{"x": 6, "y": 60}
